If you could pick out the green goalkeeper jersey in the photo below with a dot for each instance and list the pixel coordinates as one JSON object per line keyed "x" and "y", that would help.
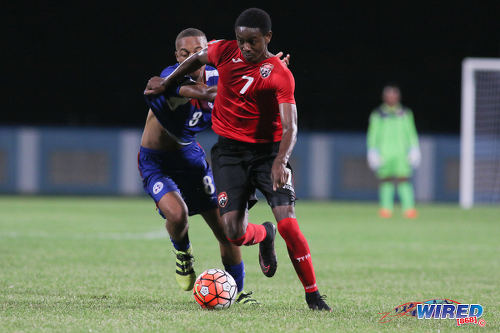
{"x": 392, "y": 131}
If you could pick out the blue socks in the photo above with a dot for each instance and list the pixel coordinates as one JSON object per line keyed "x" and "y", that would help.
{"x": 238, "y": 273}
{"x": 182, "y": 245}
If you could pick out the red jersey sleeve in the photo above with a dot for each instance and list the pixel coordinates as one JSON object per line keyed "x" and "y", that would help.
{"x": 219, "y": 51}
{"x": 285, "y": 86}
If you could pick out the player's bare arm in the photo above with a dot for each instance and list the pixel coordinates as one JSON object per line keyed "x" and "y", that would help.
{"x": 288, "y": 115}
{"x": 157, "y": 85}
{"x": 199, "y": 91}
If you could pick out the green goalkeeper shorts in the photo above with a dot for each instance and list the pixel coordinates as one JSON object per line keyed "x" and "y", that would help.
{"x": 394, "y": 166}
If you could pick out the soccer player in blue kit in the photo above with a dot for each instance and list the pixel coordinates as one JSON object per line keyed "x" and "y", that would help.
{"x": 173, "y": 165}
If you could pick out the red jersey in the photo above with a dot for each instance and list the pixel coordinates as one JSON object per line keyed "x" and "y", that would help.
{"x": 246, "y": 107}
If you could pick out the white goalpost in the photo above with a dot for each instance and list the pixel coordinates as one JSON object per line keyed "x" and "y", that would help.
{"x": 480, "y": 132}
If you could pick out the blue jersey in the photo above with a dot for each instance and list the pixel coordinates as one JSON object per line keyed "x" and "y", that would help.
{"x": 183, "y": 117}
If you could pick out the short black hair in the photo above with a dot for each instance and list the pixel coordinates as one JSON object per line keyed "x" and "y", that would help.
{"x": 393, "y": 85}
{"x": 189, "y": 32}
{"x": 254, "y": 18}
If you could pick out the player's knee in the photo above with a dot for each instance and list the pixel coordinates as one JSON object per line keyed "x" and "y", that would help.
{"x": 234, "y": 226}
{"x": 173, "y": 208}
{"x": 220, "y": 234}
{"x": 235, "y": 233}
{"x": 177, "y": 216}
{"x": 283, "y": 212}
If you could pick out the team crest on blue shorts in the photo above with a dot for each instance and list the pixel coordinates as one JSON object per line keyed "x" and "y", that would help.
{"x": 157, "y": 187}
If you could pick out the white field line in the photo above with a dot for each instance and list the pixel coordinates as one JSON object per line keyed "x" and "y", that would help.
{"x": 158, "y": 234}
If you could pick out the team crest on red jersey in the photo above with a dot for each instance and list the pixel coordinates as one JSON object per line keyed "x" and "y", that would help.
{"x": 222, "y": 199}
{"x": 266, "y": 69}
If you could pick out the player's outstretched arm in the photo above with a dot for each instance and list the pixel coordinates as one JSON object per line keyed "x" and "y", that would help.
{"x": 199, "y": 91}
{"x": 157, "y": 85}
{"x": 279, "y": 173}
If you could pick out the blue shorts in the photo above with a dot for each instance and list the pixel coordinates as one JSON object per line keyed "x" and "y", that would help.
{"x": 185, "y": 171}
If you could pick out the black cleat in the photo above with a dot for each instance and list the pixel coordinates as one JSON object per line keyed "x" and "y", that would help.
{"x": 315, "y": 301}
{"x": 267, "y": 256}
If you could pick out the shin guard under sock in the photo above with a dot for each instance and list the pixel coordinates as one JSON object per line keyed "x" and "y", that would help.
{"x": 299, "y": 253}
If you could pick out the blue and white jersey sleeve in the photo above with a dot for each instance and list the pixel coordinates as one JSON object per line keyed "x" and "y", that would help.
{"x": 180, "y": 116}
{"x": 211, "y": 76}
{"x": 174, "y": 91}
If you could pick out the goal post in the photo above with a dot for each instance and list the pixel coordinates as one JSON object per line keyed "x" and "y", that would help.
{"x": 480, "y": 132}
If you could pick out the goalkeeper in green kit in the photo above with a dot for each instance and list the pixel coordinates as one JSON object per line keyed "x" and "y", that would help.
{"x": 393, "y": 152}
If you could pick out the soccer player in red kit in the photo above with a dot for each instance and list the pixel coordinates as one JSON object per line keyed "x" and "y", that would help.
{"x": 255, "y": 117}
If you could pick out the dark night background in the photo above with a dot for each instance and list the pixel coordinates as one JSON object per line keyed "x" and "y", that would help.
{"x": 86, "y": 64}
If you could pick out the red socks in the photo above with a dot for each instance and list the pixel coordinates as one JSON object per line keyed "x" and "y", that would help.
{"x": 297, "y": 246}
{"x": 299, "y": 253}
{"x": 255, "y": 234}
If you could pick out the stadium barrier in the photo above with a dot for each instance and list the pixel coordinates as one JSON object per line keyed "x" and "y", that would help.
{"x": 103, "y": 161}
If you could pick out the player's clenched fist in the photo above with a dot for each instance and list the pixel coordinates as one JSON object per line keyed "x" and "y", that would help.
{"x": 155, "y": 86}
{"x": 279, "y": 174}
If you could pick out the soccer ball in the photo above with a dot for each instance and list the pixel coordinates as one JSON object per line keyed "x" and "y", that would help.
{"x": 215, "y": 289}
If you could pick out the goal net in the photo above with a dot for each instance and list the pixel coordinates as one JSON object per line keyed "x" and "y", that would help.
{"x": 480, "y": 132}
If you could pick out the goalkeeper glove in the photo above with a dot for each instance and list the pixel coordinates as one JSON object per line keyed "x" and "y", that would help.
{"x": 374, "y": 160}
{"x": 414, "y": 156}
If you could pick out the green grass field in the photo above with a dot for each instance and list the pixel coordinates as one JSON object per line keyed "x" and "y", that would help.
{"x": 84, "y": 264}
